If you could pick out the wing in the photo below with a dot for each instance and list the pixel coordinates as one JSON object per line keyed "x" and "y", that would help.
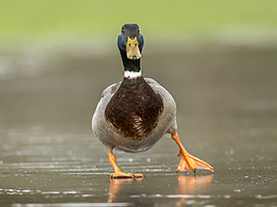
{"x": 98, "y": 116}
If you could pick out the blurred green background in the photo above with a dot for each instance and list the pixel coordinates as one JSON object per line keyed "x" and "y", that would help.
{"x": 55, "y": 55}
{"x": 32, "y": 20}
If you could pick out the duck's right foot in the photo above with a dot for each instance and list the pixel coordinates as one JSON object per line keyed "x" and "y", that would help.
{"x": 121, "y": 175}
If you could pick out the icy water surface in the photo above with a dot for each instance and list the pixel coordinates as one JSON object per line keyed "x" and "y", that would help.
{"x": 42, "y": 166}
{"x": 227, "y": 116}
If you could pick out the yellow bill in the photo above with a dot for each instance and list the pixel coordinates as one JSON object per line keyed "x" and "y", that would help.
{"x": 132, "y": 49}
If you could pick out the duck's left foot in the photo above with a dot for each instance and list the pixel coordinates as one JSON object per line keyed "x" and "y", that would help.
{"x": 191, "y": 163}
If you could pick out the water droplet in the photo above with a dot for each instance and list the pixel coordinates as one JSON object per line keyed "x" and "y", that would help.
{"x": 5, "y": 146}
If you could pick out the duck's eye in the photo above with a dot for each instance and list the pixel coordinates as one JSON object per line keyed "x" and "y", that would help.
{"x": 135, "y": 44}
{"x": 129, "y": 44}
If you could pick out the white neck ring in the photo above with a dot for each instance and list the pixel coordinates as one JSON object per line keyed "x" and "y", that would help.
{"x": 132, "y": 74}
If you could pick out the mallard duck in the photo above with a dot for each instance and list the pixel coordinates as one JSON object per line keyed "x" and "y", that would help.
{"x": 134, "y": 114}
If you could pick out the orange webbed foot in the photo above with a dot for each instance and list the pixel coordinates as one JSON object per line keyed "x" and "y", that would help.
{"x": 122, "y": 175}
{"x": 189, "y": 162}
{"x": 118, "y": 174}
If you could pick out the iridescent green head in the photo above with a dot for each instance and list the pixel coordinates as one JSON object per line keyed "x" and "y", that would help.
{"x": 130, "y": 43}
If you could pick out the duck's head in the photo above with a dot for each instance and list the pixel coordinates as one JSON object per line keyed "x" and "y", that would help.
{"x": 130, "y": 42}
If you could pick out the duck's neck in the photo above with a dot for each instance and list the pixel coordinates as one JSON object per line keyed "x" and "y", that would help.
{"x": 131, "y": 67}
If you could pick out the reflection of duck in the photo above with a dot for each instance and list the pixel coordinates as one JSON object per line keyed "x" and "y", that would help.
{"x": 135, "y": 113}
{"x": 117, "y": 184}
{"x": 191, "y": 185}
{"x": 127, "y": 192}
{"x": 135, "y": 192}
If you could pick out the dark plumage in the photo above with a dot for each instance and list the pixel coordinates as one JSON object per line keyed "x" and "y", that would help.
{"x": 134, "y": 109}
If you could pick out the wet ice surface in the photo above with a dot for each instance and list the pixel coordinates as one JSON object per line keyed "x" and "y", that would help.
{"x": 40, "y": 166}
{"x": 227, "y": 112}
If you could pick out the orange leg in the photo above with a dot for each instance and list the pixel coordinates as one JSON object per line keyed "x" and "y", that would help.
{"x": 117, "y": 172}
{"x": 189, "y": 162}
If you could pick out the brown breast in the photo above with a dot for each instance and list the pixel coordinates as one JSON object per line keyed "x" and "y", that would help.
{"x": 135, "y": 108}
